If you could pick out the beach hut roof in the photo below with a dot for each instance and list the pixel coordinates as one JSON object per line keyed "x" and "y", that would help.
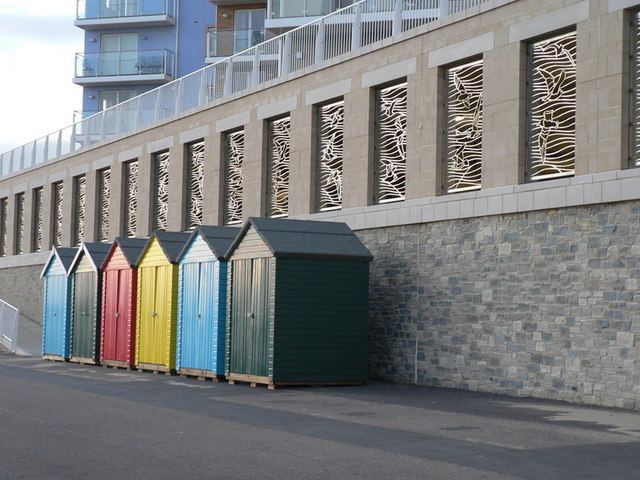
{"x": 64, "y": 255}
{"x": 219, "y": 239}
{"x": 131, "y": 248}
{"x": 96, "y": 252}
{"x": 171, "y": 243}
{"x": 306, "y": 239}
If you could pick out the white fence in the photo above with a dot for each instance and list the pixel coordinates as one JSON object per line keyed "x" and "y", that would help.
{"x": 343, "y": 31}
{"x": 9, "y": 319}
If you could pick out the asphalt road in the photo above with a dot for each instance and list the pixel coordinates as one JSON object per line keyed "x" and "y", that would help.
{"x": 69, "y": 421}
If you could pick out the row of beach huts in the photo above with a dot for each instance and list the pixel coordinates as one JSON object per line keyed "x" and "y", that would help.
{"x": 275, "y": 302}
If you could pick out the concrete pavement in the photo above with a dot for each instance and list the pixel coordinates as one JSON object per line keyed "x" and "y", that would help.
{"x": 63, "y": 420}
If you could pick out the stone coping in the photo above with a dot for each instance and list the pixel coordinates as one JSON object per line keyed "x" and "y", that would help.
{"x": 582, "y": 190}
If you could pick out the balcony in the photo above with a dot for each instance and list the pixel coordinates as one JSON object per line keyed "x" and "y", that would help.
{"x": 92, "y": 14}
{"x": 222, "y": 43}
{"x": 294, "y": 13}
{"x": 236, "y": 3}
{"x": 125, "y": 67}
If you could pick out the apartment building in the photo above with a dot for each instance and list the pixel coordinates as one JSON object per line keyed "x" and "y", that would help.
{"x": 484, "y": 151}
{"x": 133, "y": 46}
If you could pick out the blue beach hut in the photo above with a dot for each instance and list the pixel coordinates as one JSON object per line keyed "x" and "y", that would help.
{"x": 56, "y": 324}
{"x": 202, "y": 292}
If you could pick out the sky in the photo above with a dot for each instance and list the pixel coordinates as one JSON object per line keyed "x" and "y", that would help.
{"x": 38, "y": 42}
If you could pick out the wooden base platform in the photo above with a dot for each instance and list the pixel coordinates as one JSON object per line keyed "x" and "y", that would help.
{"x": 117, "y": 364}
{"x": 154, "y": 368}
{"x": 255, "y": 380}
{"x": 200, "y": 374}
{"x": 85, "y": 360}
{"x": 54, "y": 358}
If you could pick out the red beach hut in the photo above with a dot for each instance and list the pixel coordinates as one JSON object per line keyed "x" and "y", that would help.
{"x": 119, "y": 300}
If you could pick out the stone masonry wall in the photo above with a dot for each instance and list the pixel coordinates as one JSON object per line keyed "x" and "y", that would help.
{"x": 542, "y": 304}
{"x": 23, "y": 288}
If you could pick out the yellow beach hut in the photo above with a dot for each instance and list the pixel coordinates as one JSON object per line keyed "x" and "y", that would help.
{"x": 156, "y": 321}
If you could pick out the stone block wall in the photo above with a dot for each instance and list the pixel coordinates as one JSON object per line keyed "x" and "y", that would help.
{"x": 543, "y": 304}
{"x": 23, "y": 288}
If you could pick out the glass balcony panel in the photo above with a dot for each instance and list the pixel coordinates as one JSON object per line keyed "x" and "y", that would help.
{"x": 319, "y": 8}
{"x": 128, "y": 62}
{"x": 226, "y": 42}
{"x": 305, "y": 8}
{"x": 96, "y": 9}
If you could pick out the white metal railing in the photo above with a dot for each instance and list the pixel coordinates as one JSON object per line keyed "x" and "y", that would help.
{"x": 9, "y": 318}
{"x": 343, "y": 31}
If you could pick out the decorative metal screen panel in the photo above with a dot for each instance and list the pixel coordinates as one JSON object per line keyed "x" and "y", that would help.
{"x": 278, "y": 167}
{"x": 104, "y": 200}
{"x": 234, "y": 160}
{"x": 552, "y": 107}
{"x": 161, "y": 191}
{"x": 131, "y": 170}
{"x": 463, "y": 133}
{"x": 195, "y": 184}
{"x": 79, "y": 208}
{"x": 391, "y": 143}
{"x": 56, "y": 214}
{"x": 38, "y": 207}
{"x": 4, "y": 220}
{"x": 330, "y": 156}
{"x": 19, "y": 236}
{"x": 635, "y": 91}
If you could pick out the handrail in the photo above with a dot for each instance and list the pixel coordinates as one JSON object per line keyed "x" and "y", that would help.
{"x": 343, "y": 31}
{"x": 9, "y": 316}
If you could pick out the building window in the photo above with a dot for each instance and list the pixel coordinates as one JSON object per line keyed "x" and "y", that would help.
{"x": 4, "y": 220}
{"x": 463, "y": 127}
{"x": 104, "y": 201}
{"x": 195, "y": 185}
{"x": 38, "y": 208}
{"x": 390, "y": 168}
{"x": 234, "y": 160}
{"x": 111, "y": 98}
{"x": 330, "y": 153}
{"x": 118, "y": 54}
{"x": 551, "y": 116}
{"x": 635, "y": 91}
{"x": 130, "y": 213}
{"x": 56, "y": 214}
{"x": 278, "y": 167}
{"x": 125, "y": 118}
{"x": 19, "y": 235}
{"x": 249, "y": 28}
{"x": 79, "y": 208}
{"x": 161, "y": 191}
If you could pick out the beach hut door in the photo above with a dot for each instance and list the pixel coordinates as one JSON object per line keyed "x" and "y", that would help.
{"x": 198, "y": 315}
{"x": 250, "y": 317}
{"x": 116, "y": 315}
{"x": 84, "y": 314}
{"x": 55, "y": 315}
